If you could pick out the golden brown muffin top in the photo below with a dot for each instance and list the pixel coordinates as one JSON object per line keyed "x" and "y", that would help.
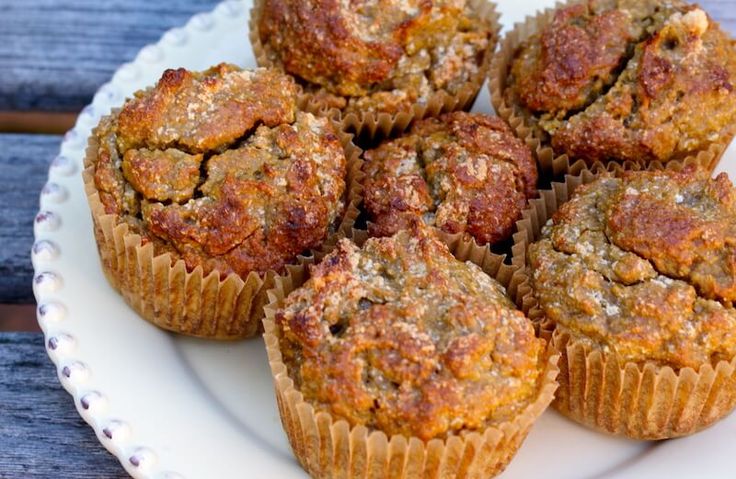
{"x": 574, "y": 58}
{"x": 644, "y": 266}
{"x": 388, "y": 54}
{"x": 627, "y": 80}
{"x": 218, "y": 169}
{"x": 401, "y": 337}
{"x": 462, "y": 172}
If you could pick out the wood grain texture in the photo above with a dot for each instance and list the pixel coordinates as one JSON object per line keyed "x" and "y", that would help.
{"x": 24, "y": 161}
{"x": 724, "y": 11}
{"x": 41, "y": 434}
{"x": 18, "y": 318}
{"x": 55, "y": 55}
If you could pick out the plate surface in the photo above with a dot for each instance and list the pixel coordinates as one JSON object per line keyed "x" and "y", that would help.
{"x": 174, "y": 407}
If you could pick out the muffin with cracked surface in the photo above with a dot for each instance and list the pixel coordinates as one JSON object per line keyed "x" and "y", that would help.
{"x": 620, "y": 80}
{"x": 637, "y": 275}
{"x": 205, "y": 186}
{"x": 365, "y": 58}
{"x": 405, "y": 353}
{"x": 462, "y": 172}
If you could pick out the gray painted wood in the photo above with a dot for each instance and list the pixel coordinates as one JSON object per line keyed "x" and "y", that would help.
{"x": 54, "y": 55}
{"x": 24, "y": 161}
{"x": 41, "y": 434}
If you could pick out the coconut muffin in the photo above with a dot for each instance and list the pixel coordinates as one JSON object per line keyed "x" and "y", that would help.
{"x": 218, "y": 169}
{"x": 461, "y": 172}
{"x": 398, "y": 336}
{"x": 640, "y": 271}
{"x": 371, "y": 56}
{"x": 626, "y": 81}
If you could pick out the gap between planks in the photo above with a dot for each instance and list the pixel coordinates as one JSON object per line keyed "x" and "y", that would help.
{"x": 36, "y": 122}
{"x": 18, "y": 318}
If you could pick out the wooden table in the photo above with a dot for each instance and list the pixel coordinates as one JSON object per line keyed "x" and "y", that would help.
{"x": 53, "y": 57}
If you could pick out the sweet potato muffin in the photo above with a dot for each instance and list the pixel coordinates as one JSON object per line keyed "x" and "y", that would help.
{"x": 403, "y": 357}
{"x": 369, "y": 56}
{"x": 462, "y": 172}
{"x": 640, "y": 272}
{"x": 626, "y": 80}
{"x": 400, "y": 336}
{"x": 219, "y": 169}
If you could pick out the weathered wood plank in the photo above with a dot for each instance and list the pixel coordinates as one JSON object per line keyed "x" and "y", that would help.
{"x": 54, "y": 55}
{"x": 41, "y": 434}
{"x": 724, "y": 11}
{"x": 24, "y": 161}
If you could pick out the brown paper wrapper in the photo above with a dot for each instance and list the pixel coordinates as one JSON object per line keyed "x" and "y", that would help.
{"x": 600, "y": 390}
{"x": 161, "y": 290}
{"x": 554, "y": 165}
{"x": 372, "y": 126}
{"x": 328, "y": 448}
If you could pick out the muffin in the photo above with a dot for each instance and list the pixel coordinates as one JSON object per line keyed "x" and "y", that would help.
{"x": 205, "y": 186}
{"x": 637, "y": 276}
{"x": 462, "y": 173}
{"x": 620, "y": 80}
{"x": 371, "y": 58}
{"x": 412, "y": 361}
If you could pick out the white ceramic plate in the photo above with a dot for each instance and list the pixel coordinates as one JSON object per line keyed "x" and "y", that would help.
{"x": 172, "y": 407}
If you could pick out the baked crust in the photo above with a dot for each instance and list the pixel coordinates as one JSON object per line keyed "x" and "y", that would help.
{"x": 375, "y": 55}
{"x": 623, "y": 80}
{"x": 461, "y": 172}
{"x": 573, "y": 60}
{"x": 401, "y": 337}
{"x": 219, "y": 169}
{"x": 643, "y": 266}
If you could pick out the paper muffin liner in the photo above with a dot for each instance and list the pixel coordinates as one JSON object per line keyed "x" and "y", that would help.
{"x": 161, "y": 289}
{"x": 551, "y": 164}
{"x": 329, "y": 448}
{"x": 373, "y": 126}
{"x": 597, "y": 388}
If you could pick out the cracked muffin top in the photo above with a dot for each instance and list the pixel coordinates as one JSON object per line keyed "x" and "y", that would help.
{"x": 375, "y": 55}
{"x": 627, "y": 80}
{"x": 461, "y": 172}
{"x": 219, "y": 169}
{"x": 402, "y": 337}
{"x": 645, "y": 266}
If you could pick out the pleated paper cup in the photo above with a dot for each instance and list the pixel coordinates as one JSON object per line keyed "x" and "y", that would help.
{"x": 329, "y": 448}
{"x": 553, "y": 165}
{"x": 642, "y": 402}
{"x": 161, "y": 289}
{"x": 372, "y": 126}
{"x": 604, "y": 392}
